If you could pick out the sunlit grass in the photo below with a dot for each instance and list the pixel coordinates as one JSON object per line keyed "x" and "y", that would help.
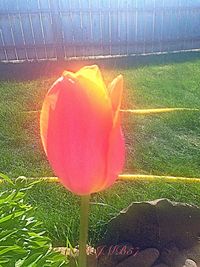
{"x": 161, "y": 144}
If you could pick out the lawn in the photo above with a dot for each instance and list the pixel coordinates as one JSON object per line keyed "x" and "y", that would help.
{"x": 162, "y": 144}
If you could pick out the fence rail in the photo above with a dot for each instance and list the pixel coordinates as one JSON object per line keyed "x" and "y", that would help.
{"x": 58, "y": 29}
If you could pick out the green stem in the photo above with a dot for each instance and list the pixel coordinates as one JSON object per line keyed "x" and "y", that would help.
{"x": 83, "y": 230}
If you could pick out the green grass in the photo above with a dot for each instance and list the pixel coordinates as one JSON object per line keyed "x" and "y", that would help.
{"x": 164, "y": 144}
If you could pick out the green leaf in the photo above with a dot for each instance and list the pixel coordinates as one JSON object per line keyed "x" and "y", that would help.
{"x": 6, "y": 178}
{"x": 5, "y": 249}
{"x": 6, "y": 218}
{"x": 5, "y": 234}
{"x": 22, "y": 238}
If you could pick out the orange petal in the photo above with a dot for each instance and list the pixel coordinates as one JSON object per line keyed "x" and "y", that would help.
{"x": 115, "y": 89}
{"x": 75, "y": 129}
{"x": 116, "y": 148}
{"x": 115, "y": 156}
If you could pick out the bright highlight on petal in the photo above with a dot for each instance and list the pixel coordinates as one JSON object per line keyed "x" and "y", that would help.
{"x": 80, "y": 130}
{"x": 93, "y": 74}
{"x": 115, "y": 89}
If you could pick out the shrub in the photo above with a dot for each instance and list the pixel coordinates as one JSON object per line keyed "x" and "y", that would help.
{"x": 23, "y": 241}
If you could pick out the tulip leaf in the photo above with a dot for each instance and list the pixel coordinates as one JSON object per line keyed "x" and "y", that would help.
{"x": 6, "y": 178}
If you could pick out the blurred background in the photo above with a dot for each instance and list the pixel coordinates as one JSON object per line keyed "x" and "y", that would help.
{"x": 62, "y": 29}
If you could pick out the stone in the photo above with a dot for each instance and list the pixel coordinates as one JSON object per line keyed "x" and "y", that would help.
{"x": 155, "y": 224}
{"x": 62, "y": 250}
{"x": 161, "y": 265}
{"x": 145, "y": 258}
{"x": 72, "y": 255}
{"x": 190, "y": 263}
{"x": 112, "y": 255}
{"x": 105, "y": 261}
{"x": 172, "y": 256}
{"x": 136, "y": 225}
{"x": 179, "y": 260}
{"x": 193, "y": 253}
{"x": 91, "y": 261}
{"x": 169, "y": 254}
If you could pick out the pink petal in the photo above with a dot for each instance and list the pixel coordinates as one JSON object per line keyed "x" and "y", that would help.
{"x": 75, "y": 127}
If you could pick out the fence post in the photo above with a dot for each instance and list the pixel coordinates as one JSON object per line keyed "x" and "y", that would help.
{"x": 57, "y": 29}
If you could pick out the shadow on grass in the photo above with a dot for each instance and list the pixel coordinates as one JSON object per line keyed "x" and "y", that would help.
{"x": 35, "y": 70}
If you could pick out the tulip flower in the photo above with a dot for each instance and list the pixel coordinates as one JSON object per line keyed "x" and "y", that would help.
{"x": 80, "y": 130}
{"x": 82, "y": 137}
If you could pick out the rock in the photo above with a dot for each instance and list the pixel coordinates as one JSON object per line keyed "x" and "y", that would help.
{"x": 190, "y": 263}
{"x": 112, "y": 255}
{"x": 105, "y": 261}
{"x": 193, "y": 253}
{"x": 161, "y": 265}
{"x": 144, "y": 258}
{"x": 169, "y": 254}
{"x": 172, "y": 256}
{"x": 136, "y": 225}
{"x": 180, "y": 260}
{"x": 72, "y": 254}
{"x": 62, "y": 250}
{"x": 91, "y": 261}
{"x": 155, "y": 224}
